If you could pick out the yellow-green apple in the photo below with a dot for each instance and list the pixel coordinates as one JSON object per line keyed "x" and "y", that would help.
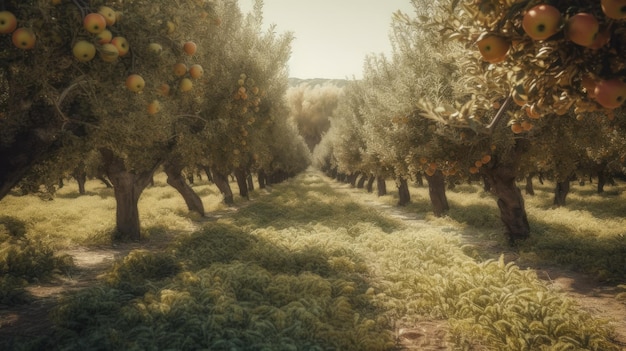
{"x": 190, "y": 48}
{"x": 185, "y": 84}
{"x": 582, "y": 29}
{"x": 104, "y": 37}
{"x": 24, "y": 38}
{"x": 541, "y": 21}
{"x": 196, "y": 71}
{"x": 155, "y": 48}
{"x": 108, "y": 14}
{"x": 121, "y": 44}
{"x": 84, "y": 51}
{"x": 493, "y": 48}
{"x": 610, "y": 93}
{"x": 94, "y": 23}
{"x": 179, "y": 69}
{"x": 109, "y": 53}
{"x": 615, "y": 9}
{"x": 135, "y": 83}
{"x": 8, "y": 22}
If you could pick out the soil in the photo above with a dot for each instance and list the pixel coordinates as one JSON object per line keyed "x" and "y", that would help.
{"x": 33, "y": 319}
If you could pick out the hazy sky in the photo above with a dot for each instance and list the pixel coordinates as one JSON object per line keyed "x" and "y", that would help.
{"x": 332, "y": 37}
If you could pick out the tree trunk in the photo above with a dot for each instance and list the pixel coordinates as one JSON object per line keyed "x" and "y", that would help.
{"x": 207, "y": 170}
{"x": 242, "y": 183}
{"x": 370, "y": 183}
{"x": 81, "y": 177}
{"x": 261, "y": 177}
{"x": 221, "y": 181}
{"x": 437, "y": 192}
{"x": 353, "y": 177}
{"x": 173, "y": 170}
{"x": 361, "y": 183}
{"x": 560, "y": 192}
{"x": 404, "y": 197}
{"x": 103, "y": 179}
{"x": 250, "y": 182}
{"x": 418, "y": 179}
{"x": 530, "y": 190}
{"x": 502, "y": 177}
{"x": 486, "y": 184}
{"x": 127, "y": 187}
{"x": 600, "y": 169}
{"x": 381, "y": 185}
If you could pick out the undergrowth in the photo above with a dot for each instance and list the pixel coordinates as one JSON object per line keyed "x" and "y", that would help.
{"x": 320, "y": 274}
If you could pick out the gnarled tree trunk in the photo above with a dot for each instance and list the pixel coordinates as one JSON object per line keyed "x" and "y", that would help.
{"x": 127, "y": 187}
{"x": 560, "y": 192}
{"x": 80, "y": 175}
{"x": 370, "y": 183}
{"x": 221, "y": 181}
{"x": 361, "y": 182}
{"x": 262, "y": 178}
{"x": 437, "y": 193}
{"x": 174, "y": 172}
{"x": 530, "y": 190}
{"x": 404, "y": 197}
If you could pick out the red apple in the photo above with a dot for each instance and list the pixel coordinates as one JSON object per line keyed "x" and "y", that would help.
{"x": 179, "y": 69}
{"x": 190, "y": 48}
{"x": 84, "y": 51}
{"x": 493, "y": 48}
{"x": 610, "y": 93}
{"x": 615, "y": 9}
{"x": 196, "y": 71}
{"x": 94, "y": 23}
{"x": 121, "y": 44}
{"x": 8, "y": 22}
{"x": 108, "y": 14}
{"x": 541, "y": 22}
{"x": 582, "y": 29}
{"x": 135, "y": 83}
{"x": 24, "y": 38}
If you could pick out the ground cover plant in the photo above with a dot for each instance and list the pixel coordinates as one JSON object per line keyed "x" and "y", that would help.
{"x": 304, "y": 267}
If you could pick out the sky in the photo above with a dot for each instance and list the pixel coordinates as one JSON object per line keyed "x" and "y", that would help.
{"x": 332, "y": 37}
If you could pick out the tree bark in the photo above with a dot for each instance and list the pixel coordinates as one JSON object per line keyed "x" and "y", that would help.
{"x": 104, "y": 180}
{"x": 404, "y": 197}
{"x": 419, "y": 180}
{"x": 437, "y": 193}
{"x": 250, "y": 181}
{"x": 174, "y": 172}
{"x": 80, "y": 175}
{"x": 381, "y": 185}
{"x": 560, "y": 192}
{"x": 530, "y": 190}
{"x": 261, "y": 177}
{"x": 221, "y": 181}
{"x": 127, "y": 187}
{"x": 242, "y": 183}
{"x": 361, "y": 182}
{"x": 353, "y": 177}
{"x": 370, "y": 183}
{"x": 600, "y": 169}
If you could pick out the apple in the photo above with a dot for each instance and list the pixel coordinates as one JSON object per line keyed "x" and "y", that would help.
{"x": 582, "y": 29}
{"x": 541, "y": 22}
{"x": 196, "y": 71}
{"x": 8, "y": 22}
{"x": 190, "y": 48}
{"x": 108, "y": 14}
{"x": 135, "y": 83}
{"x": 164, "y": 89}
{"x": 185, "y": 84}
{"x": 104, "y": 37}
{"x": 154, "y": 107}
{"x": 155, "y": 48}
{"x": 94, "y": 23}
{"x": 24, "y": 38}
{"x": 493, "y": 48}
{"x": 121, "y": 44}
{"x": 84, "y": 51}
{"x": 615, "y": 9}
{"x": 610, "y": 93}
{"x": 109, "y": 53}
{"x": 603, "y": 38}
{"x": 179, "y": 69}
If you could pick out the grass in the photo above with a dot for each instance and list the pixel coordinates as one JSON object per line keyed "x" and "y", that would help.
{"x": 304, "y": 267}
